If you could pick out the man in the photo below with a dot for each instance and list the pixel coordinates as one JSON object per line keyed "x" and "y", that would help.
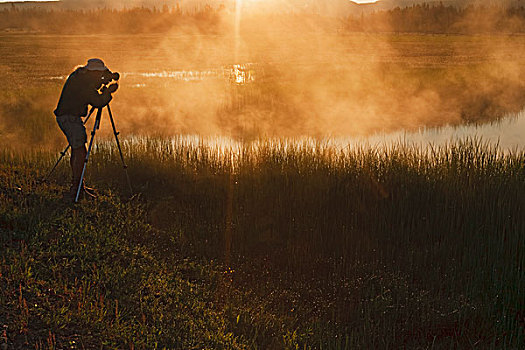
{"x": 80, "y": 90}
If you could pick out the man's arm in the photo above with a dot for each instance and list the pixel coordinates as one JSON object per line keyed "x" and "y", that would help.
{"x": 99, "y": 100}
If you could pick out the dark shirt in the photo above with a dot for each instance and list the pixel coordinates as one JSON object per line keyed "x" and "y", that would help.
{"x": 78, "y": 93}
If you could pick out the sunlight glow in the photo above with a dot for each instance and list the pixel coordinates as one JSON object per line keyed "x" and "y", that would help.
{"x": 238, "y": 12}
{"x": 364, "y": 1}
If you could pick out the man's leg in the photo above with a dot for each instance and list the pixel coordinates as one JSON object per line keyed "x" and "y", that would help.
{"x": 78, "y": 156}
{"x": 75, "y": 132}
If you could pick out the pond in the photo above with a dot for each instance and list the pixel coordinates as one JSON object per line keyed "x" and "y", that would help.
{"x": 508, "y": 134}
{"x": 374, "y": 87}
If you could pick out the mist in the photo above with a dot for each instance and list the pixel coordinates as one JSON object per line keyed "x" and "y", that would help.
{"x": 311, "y": 80}
{"x": 287, "y": 75}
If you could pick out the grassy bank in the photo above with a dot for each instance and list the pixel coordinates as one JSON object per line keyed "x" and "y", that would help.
{"x": 91, "y": 276}
{"x": 270, "y": 245}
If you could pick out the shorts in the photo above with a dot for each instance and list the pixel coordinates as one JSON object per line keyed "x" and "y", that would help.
{"x": 74, "y": 129}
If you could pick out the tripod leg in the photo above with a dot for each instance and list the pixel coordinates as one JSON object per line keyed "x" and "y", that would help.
{"x": 95, "y": 128}
{"x": 89, "y": 115}
{"x": 116, "y": 133}
{"x": 63, "y": 153}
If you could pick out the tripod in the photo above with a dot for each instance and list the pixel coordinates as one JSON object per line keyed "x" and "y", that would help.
{"x": 96, "y": 126}
{"x": 64, "y": 152}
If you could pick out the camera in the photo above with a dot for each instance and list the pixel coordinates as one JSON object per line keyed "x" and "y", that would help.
{"x": 108, "y": 76}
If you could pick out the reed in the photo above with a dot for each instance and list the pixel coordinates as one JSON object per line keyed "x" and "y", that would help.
{"x": 343, "y": 246}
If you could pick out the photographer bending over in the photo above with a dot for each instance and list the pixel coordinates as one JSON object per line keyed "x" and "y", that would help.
{"x": 82, "y": 88}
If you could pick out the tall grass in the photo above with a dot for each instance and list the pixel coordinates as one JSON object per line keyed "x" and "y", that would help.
{"x": 353, "y": 246}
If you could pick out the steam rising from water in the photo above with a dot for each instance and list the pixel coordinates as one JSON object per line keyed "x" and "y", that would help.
{"x": 281, "y": 76}
{"x": 503, "y": 136}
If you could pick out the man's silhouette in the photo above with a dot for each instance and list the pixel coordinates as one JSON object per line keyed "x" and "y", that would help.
{"x": 81, "y": 89}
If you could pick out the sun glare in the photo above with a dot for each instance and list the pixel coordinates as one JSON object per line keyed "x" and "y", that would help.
{"x": 238, "y": 14}
{"x": 364, "y": 1}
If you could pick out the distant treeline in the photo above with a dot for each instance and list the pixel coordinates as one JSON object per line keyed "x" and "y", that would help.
{"x": 106, "y": 20}
{"x": 425, "y": 18}
{"x": 422, "y": 18}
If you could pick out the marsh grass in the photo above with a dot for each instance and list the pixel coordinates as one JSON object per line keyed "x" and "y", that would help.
{"x": 268, "y": 244}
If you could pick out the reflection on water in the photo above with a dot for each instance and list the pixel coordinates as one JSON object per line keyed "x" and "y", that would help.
{"x": 237, "y": 74}
{"x": 508, "y": 133}
{"x": 240, "y": 74}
